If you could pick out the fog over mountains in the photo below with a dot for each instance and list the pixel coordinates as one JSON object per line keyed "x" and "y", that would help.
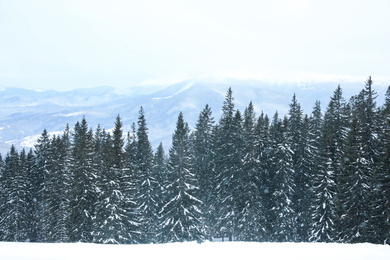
{"x": 24, "y": 113}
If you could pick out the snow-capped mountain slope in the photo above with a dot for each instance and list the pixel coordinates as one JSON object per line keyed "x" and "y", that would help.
{"x": 24, "y": 114}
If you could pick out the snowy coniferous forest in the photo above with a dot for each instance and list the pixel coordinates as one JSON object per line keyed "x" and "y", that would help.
{"x": 318, "y": 177}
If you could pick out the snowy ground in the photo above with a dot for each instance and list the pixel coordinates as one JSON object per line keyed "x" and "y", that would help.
{"x": 208, "y": 250}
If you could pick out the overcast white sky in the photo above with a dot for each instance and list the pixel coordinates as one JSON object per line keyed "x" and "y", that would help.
{"x": 66, "y": 44}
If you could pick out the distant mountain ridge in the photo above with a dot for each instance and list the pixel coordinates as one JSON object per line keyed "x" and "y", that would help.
{"x": 25, "y": 113}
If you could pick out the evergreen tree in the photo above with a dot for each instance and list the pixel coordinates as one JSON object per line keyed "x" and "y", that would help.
{"x": 181, "y": 215}
{"x": 301, "y": 197}
{"x": 204, "y": 167}
{"x": 228, "y": 164}
{"x": 128, "y": 184}
{"x": 111, "y": 220}
{"x": 42, "y": 169}
{"x": 14, "y": 218}
{"x": 56, "y": 192}
{"x": 322, "y": 225}
{"x": 160, "y": 170}
{"x": 146, "y": 183}
{"x": 33, "y": 200}
{"x": 355, "y": 201}
{"x": 83, "y": 192}
{"x": 264, "y": 150}
{"x": 382, "y": 225}
{"x": 251, "y": 220}
{"x": 283, "y": 186}
{"x": 334, "y": 136}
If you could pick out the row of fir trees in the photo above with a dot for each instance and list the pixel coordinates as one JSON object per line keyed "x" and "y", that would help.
{"x": 318, "y": 177}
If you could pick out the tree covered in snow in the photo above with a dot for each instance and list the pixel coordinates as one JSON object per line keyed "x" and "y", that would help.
{"x": 228, "y": 166}
{"x": 111, "y": 214}
{"x": 203, "y": 158}
{"x": 323, "y": 212}
{"x": 57, "y": 181}
{"x": 382, "y": 213}
{"x": 146, "y": 183}
{"x": 252, "y": 219}
{"x": 181, "y": 215}
{"x": 282, "y": 213}
{"x": 14, "y": 217}
{"x": 359, "y": 182}
{"x": 83, "y": 192}
{"x": 318, "y": 178}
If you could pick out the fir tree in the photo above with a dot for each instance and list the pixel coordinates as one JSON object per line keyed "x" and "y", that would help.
{"x": 323, "y": 184}
{"x": 300, "y": 199}
{"x": 355, "y": 201}
{"x": 334, "y": 136}
{"x": 181, "y": 215}
{"x": 228, "y": 163}
{"x": 83, "y": 192}
{"x": 111, "y": 217}
{"x": 33, "y": 200}
{"x": 283, "y": 186}
{"x": 56, "y": 192}
{"x": 251, "y": 220}
{"x": 14, "y": 217}
{"x": 146, "y": 183}
{"x": 204, "y": 167}
{"x": 160, "y": 171}
{"x": 264, "y": 150}
{"x": 382, "y": 225}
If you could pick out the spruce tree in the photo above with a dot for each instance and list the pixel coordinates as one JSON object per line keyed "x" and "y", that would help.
{"x": 263, "y": 149}
{"x": 354, "y": 187}
{"x": 129, "y": 188}
{"x": 83, "y": 194}
{"x": 14, "y": 215}
{"x": 42, "y": 169}
{"x": 160, "y": 170}
{"x": 251, "y": 220}
{"x": 334, "y": 136}
{"x": 283, "y": 185}
{"x": 228, "y": 164}
{"x": 300, "y": 199}
{"x": 181, "y": 215}
{"x": 111, "y": 217}
{"x": 322, "y": 225}
{"x": 382, "y": 214}
{"x": 146, "y": 183}
{"x": 34, "y": 199}
{"x": 56, "y": 192}
{"x": 204, "y": 167}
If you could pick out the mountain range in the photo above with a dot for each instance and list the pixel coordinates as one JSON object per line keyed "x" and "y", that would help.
{"x": 24, "y": 113}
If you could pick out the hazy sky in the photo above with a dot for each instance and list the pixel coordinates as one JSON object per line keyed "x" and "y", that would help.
{"x": 66, "y": 44}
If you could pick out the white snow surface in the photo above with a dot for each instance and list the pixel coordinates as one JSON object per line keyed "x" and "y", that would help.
{"x": 193, "y": 250}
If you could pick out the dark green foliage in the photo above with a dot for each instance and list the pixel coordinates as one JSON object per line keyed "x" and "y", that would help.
{"x": 297, "y": 139}
{"x": 382, "y": 223}
{"x": 303, "y": 178}
{"x": 83, "y": 194}
{"x": 181, "y": 215}
{"x": 323, "y": 185}
{"x": 228, "y": 165}
{"x": 204, "y": 167}
{"x": 146, "y": 183}
{"x": 112, "y": 220}
{"x": 14, "y": 215}
{"x": 282, "y": 215}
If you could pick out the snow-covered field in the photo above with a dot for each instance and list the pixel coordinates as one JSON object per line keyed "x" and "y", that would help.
{"x": 208, "y": 250}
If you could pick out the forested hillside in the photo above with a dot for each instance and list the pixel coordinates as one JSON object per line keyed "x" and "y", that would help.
{"x": 321, "y": 176}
